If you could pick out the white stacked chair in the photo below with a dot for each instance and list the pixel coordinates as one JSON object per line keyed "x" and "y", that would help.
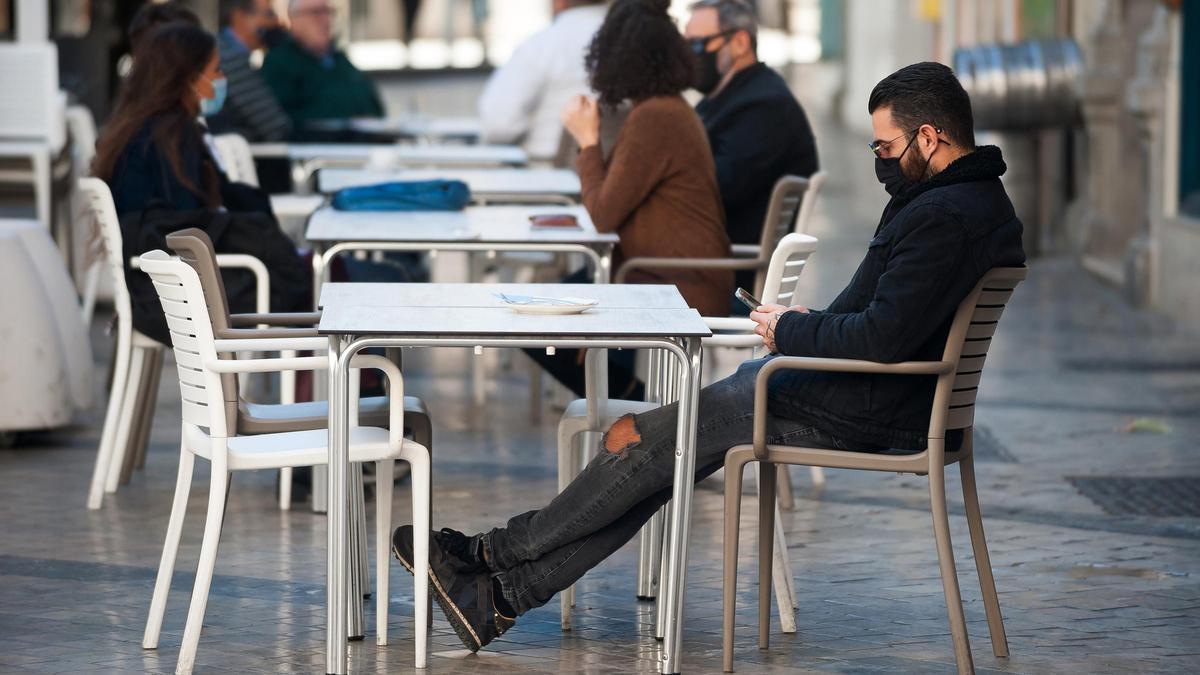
{"x": 206, "y": 432}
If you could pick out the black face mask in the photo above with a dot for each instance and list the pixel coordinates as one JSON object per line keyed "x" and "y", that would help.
{"x": 707, "y": 74}
{"x": 271, "y": 37}
{"x": 890, "y": 173}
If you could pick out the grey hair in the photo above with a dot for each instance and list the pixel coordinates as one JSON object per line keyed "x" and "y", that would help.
{"x": 733, "y": 15}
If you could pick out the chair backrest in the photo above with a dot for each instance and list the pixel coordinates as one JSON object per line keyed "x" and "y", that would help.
{"x": 809, "y": 203}
{"x": 97, "y": 206}
{"x": 236, "y": 158}
{"x": 967, "y": 346}
{"x": 31, "y": 108}
{"x": 186, "y": 312}
{"x": 195, "y": 248}
{"x": 782, "y": 210}
{"x": 787, "y": 263}
{"x": 82, "y": 128}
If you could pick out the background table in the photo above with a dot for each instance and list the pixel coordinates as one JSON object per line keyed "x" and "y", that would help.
{"x": 307, "y": 158}
{"x": 558, "y": 185}
{"x": 420, "y": 127}
{"x": 361, "y": 316}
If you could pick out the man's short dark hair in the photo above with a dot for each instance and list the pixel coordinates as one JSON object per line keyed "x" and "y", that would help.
{"x": 152, "y": 15}
{"x": 927, "y": 93}
{"x": 733, "y": 15}
{"x": 227, "y": 7}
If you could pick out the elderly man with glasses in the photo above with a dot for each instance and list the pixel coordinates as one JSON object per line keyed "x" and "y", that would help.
{"x": 757, "y": 129}
{"x": 311, "y": 77}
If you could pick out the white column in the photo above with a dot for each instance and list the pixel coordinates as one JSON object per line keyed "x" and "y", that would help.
{"x": 33, "y": 20}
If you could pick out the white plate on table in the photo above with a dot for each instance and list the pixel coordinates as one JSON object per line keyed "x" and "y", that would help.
{"x": 537, "y": 304}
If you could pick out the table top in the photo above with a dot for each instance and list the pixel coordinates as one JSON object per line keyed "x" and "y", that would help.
{"x": 387, "y": 153}
{"x": 625, "y": 311}
{"x": 488, "y": 224}
{"x": 506, "y": 181}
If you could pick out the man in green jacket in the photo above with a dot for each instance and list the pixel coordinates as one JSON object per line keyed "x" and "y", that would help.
{"x": 311, "y": 78}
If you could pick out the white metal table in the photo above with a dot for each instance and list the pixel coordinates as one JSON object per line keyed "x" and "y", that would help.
{"x": 307, "y": 158}
{"x": 361, "y": 316}
{"x": 487, "y": 185}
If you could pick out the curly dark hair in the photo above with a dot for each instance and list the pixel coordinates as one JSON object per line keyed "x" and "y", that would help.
{"x": 638, "y": 53}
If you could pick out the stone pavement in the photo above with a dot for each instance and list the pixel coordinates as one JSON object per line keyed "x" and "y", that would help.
{"x": 1089, "y": 481}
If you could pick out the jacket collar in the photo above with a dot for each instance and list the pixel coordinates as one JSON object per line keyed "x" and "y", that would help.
{"x": 983, "y": 163}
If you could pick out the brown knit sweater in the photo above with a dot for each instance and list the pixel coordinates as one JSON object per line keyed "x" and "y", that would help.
{"x": 659, "y": 193}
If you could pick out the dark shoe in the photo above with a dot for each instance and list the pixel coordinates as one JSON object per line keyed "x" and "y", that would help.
{"x": 465, "y": 598}
{"x": 462, "y": 552}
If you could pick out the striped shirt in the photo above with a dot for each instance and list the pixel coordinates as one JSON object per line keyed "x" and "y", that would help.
{"x": 250, "y": 108}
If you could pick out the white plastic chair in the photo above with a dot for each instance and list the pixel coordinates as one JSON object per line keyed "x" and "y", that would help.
{"x": 206, "y": 433}
{"x": 32, "y": 110}
{"x": 138, "y": 357}
{"x": 781, "y": 280}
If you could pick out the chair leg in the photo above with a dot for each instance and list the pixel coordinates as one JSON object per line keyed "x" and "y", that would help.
{"x": 945, "y": 551}
{"x": 137, "y": 418}
{"x": 133, "y": 382}
{"x": 421, "y": 524}
{"x": 566, "y": 472}
{"x": 817, "y": 474}
{"x": 148, "y": 406}
{"x": 983, "y": 562}
{"x": 732, "y": 521}
{"x": 787, "y": 500}
{"x": 166, "y": 567}
{"x": 766, "y": 546}
{"x": 204, "y": 570}
{"x": 112, "y": 417}
{"x": 781, "y": 572}
{"x": 383, "y": 534}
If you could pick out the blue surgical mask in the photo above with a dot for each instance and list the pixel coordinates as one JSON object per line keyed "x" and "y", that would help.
{"x": 212, "y": 106}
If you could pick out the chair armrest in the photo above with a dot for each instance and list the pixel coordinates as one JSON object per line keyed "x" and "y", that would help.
{"x": 262, "y": 281}
{"x": 277, "y": 319}
{"x": 729, "y": 323}
{"x": 745, "y": 250}
{"x": 688, "y": 263}
{"x": 832, "y": 366}
{"x": 265, "y": 333}
{"x": 272, "y": 344}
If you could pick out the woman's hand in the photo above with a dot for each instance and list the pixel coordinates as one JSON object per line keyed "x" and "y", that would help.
{"x": 581, "y": 117}
{"x": 767, "y": 317}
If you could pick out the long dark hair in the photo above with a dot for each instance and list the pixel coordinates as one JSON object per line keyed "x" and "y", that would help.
{"x": 638, "y": 53}
{"x": 166, "y": 68}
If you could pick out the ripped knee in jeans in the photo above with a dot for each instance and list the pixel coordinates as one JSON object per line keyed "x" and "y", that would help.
{"x": 622, "y": 436}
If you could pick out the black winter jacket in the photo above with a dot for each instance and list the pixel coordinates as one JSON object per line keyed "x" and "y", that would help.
{"x": 249, "y": 228}
{"x": 934, "y": 242}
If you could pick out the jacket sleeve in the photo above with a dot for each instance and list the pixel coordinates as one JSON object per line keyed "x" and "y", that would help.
{"x": 918, "y": 272}
{"x": 512, "y": 94}
{"x": 638, "y": 164}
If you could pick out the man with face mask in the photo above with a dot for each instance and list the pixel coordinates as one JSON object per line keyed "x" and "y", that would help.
{"x": 949, "y": 221}
{"x": 757, "y": 129}
{"x": 250, "y": 107}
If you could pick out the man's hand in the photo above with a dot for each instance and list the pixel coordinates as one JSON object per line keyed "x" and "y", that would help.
{"x": 767, "y": 316}
{"x": 581, "y": 117}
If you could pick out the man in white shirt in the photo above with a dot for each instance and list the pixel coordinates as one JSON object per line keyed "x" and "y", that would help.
{"x": 523, "y": 99}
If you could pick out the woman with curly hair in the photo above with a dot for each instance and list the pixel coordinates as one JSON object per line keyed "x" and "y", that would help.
{"x": 658, "y": 190}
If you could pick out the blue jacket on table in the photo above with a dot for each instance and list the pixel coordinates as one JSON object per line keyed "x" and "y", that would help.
{"x": 934, "y": 242}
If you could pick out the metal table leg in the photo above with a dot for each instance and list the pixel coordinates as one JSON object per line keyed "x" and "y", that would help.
{"x": 675, "y": 575}
{"x": 336, "y": 580}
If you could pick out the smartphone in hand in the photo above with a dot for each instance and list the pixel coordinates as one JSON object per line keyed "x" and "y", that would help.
{"x": 748, "y": 300}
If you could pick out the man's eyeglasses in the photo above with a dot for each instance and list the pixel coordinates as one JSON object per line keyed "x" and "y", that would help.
{"x": 877, "y": 146}
{"x": 699, "y": 45}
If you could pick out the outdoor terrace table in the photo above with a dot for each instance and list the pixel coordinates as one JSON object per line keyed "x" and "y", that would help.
{"x": 487, "y": 185}
{"x": 307, "y": 158}
{"x": 361, "y": 316}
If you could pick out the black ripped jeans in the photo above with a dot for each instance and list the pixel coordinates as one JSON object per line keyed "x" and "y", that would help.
{"x": 542, "y": 552}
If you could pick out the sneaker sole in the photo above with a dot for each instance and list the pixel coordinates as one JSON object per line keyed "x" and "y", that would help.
{"x": 465, "y": 633}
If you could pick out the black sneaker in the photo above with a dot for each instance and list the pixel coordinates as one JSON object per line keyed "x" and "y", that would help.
{"x": 464, "y": 553}
{"x": 465, "y": 597}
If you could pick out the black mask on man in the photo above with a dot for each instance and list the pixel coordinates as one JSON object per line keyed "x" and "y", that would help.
{"x": 890, "y": 173}
{"x": 708, "y": 76}
{"x": 271, "y": 37}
